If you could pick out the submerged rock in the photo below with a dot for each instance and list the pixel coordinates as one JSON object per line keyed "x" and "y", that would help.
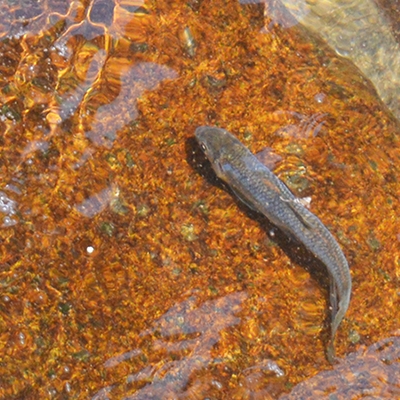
{"x": 357, "y": 30}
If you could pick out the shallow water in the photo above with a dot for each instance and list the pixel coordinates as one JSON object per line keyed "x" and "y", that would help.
{"x": 359, "y": 30}
{"x": 126, "y": 269}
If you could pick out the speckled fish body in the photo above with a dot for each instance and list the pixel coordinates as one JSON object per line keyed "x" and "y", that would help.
{"x": 261, "y": 190}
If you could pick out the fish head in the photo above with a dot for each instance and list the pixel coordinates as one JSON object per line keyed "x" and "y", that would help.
{"x": 215, "y": 141}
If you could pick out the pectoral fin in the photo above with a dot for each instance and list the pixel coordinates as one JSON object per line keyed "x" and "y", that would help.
{"x": 243, "y": 199}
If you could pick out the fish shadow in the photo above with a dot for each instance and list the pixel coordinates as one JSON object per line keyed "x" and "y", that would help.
{"x": 293, "y": 249}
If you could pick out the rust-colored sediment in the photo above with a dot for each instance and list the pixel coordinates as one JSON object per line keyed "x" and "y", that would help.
{"x": 120, "y": 263}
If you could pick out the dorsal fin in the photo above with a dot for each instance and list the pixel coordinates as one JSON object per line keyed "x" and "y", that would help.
{"x": 302, "y": 218}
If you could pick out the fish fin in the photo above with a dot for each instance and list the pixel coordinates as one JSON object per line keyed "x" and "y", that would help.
{"x": 330, "y": 350}
{"x": 308, "y": 224}
{"x": 304, "y": 201}
{"x": 242, "y": 199}
{"x": 219, "y": 169}
{"x": 333, "y": 298}
{"x": 223, "y": 170}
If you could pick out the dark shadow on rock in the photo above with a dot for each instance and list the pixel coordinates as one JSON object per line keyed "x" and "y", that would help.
{"x": 199, "y": 162}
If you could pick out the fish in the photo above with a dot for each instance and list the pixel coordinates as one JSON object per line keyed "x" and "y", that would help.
{"x": 262, "y": 191}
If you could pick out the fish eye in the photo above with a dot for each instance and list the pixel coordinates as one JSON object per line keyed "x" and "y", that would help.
{"x": 203, "y": 146}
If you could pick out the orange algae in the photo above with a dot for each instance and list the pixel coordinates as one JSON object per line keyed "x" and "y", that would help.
{"x": 123, "y": 270}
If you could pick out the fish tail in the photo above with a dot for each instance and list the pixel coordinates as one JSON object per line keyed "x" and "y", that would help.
{"x": 330, "y": 351}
